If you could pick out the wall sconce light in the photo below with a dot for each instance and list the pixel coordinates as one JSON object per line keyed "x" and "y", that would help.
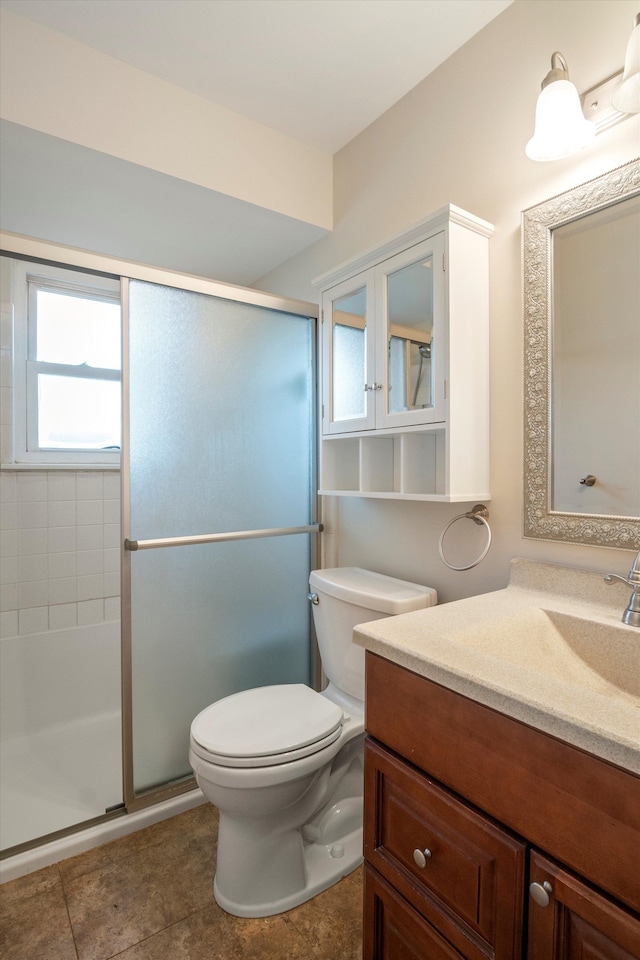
{"x": 561, "y": 128}
{"x": 626, "y": 98}
{"x": 564, "y": 125}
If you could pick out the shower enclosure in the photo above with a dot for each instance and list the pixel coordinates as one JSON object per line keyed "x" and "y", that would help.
{"x": 218, "y": 534}
{"x": 219, "y": 529}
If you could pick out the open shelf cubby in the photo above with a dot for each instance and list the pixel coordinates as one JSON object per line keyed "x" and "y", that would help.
{"x": 410, "y": 465}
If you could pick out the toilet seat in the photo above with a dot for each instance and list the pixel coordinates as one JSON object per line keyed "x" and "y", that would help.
{"x": 265, "y": 726}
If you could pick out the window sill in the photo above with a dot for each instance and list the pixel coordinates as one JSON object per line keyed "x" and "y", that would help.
{"x": 114, "y": 467}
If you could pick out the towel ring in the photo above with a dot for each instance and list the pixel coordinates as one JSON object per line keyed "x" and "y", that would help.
{"x": 479, "y": 514}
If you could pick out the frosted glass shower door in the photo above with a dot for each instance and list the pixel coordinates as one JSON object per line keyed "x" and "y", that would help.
{"x": 221, "y": 439}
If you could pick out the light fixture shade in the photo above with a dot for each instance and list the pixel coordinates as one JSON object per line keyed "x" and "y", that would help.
{"x": 626, "y": 98}
{"x": 561, "y": 128}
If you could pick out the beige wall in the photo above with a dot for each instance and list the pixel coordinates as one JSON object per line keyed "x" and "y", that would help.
{"x": 459, "y": 137}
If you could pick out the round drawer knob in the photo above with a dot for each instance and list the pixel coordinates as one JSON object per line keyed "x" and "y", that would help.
{"x": 421, "y": 857}
{"x": 540, "y": 893}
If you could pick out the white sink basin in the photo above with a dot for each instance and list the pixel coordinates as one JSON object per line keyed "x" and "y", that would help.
{"x": 599, "y": 656}
{"x": 550, "y": 649}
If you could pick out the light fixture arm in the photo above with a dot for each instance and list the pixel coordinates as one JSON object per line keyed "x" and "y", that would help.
{"x": 560, "y": 72}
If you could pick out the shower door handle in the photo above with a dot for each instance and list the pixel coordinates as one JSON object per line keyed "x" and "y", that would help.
{"x": 220, "y": 537}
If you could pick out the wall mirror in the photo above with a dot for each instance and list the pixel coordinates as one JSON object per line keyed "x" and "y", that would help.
{"x": 581, "y": 298}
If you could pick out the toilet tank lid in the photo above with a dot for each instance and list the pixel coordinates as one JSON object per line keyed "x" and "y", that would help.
{"x": 373, "y": 591}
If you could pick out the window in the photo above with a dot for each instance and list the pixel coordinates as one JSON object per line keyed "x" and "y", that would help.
{"x": 67, "y": 366}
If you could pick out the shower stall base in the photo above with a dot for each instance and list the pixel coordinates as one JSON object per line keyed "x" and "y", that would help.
{"x": 20, "y": 864}
{"x": 59, "y": 777}
{"x": 61, "y": 753}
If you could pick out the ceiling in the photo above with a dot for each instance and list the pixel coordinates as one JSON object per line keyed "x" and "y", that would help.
{"x": 319, "y": 71}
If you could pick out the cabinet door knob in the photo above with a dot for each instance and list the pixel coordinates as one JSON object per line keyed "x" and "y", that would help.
{"x": 421, "y": 857}
{"x": 540, "y": 892}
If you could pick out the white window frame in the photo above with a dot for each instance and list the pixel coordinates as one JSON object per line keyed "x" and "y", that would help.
{"x": 28, "y": 278}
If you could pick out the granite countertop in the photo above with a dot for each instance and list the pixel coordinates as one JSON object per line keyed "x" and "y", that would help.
{"x": 549, "y": 649}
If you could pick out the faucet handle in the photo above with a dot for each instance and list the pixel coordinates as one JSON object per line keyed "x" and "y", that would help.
{"x": 614, "y": 578}
{"x": 632, "y": 579}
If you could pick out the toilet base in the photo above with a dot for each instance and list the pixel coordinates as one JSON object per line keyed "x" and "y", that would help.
{"x": 324, "y": 865}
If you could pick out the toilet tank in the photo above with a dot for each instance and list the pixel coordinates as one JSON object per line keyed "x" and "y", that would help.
{"x": 348, "y": 596}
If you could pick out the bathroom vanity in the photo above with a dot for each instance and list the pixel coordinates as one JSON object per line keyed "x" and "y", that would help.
{"x": 502, "y": 805}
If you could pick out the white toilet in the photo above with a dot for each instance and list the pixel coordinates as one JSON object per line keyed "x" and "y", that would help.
{"x": 284, "y": 764}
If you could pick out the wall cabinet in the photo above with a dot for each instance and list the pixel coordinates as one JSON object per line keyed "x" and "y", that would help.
{"x": 405, "y": 365}
{"x": 485, "y": 838}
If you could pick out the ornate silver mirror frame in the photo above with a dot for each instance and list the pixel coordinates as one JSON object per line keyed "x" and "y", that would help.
{"x": 538, "y": 222}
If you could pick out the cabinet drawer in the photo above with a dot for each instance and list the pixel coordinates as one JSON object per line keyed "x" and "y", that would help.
{"x": 394, "y": 931}
{"x": 470, "y": 886}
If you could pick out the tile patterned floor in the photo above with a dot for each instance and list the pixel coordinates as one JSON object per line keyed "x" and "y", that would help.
{"x": 149, "y": 896}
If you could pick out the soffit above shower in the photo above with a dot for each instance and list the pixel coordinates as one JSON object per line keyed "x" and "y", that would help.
{"x": 130, "y": 212}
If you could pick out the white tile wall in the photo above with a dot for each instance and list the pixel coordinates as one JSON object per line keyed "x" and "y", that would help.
{"x": 59, "y": 550}
{"x": 6, "y": 367}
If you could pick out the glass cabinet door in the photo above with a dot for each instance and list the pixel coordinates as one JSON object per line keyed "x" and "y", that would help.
{"x": 348, "y": 357}
{"x": 383, "y": 343}
{"x": 411, "y": 336}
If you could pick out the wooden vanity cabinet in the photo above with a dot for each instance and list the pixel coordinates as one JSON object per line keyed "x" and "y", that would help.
{"x": 478, "y": 797}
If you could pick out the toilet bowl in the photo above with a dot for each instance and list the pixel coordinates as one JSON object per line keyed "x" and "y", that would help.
{"x": 284, "y": 764}
{"x": 265, "y": 861}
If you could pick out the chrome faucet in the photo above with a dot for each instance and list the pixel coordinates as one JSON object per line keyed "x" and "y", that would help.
{"x": 632, "y": 613}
